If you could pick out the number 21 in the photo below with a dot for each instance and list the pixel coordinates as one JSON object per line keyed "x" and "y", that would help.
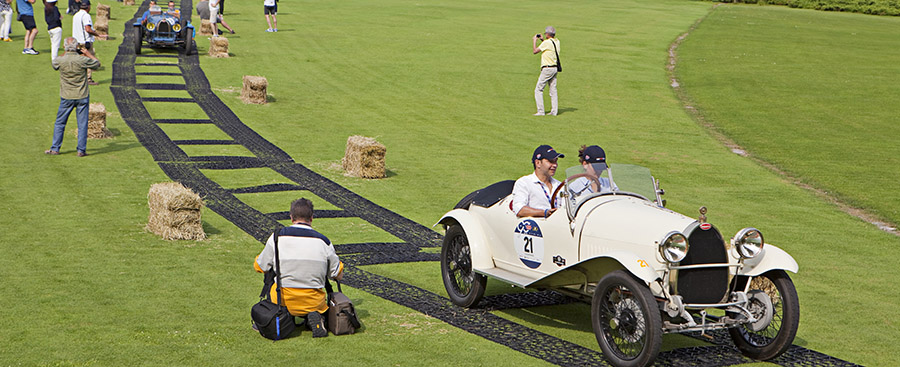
{"x": 529, "y": 247}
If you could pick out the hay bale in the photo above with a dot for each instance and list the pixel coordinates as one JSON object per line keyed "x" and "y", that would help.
{"x": 103, "y": 12}
{"x": 364, "y": 157}
{"x": 97, "y": 122}
{"x": 254, "y": 89}
{"x": 102, "y": 26}
{"x": 218, "y": 47}
{"x": 205, "y": 27}
{"x": 128, "y": 2}
{"x": 174, "y": 212}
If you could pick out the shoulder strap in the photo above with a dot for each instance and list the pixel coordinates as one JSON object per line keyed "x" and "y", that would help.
{"x": 277, "y": 268}
{"x": 558, "y": 63}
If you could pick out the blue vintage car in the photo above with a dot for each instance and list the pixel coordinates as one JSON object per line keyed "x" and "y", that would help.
{"x": 163, "y": 30}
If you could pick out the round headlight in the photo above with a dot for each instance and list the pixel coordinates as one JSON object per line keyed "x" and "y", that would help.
{"x": 151, "y": 26}
{"x": 749, "y": 242}
{"x": 674, "y": 247}
{"x": 176, "y": 27}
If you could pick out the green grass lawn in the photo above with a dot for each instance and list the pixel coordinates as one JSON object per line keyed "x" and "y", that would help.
{"x": 447, "y": 87}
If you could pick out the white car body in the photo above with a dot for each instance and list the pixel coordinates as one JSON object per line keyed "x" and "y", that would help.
{"x": 592, "y": 236}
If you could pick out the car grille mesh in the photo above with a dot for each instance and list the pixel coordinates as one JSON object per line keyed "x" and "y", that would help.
{"x": 707, "y": 285}
{"x": 163, "y": 27}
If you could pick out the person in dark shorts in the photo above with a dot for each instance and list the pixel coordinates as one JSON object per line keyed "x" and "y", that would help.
{"x": 271, "y": 7}
{"x": 26, "y": 16}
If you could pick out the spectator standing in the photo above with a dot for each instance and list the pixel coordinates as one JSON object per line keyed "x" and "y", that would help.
{"x": 26, "y": 16}
{"x": 203, "y": 13}
{"x": 549, "y": 50}
{"x": 83, "y": 32}
{"x": 271, "y": 7}
{"x": 306, "y": 261}
{"x": 213, "y": 16}
{"x": 73, "y": 93}
{"x": 5, "y": 20}
{"x": 54, "y": 26}
{"x": 75, "y": 5}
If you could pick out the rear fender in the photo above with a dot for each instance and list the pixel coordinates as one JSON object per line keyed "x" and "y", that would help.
{"x": 771, "y": 258}
{"x": 482, "y": 257}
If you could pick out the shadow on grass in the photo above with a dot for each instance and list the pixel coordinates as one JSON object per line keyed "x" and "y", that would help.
{"x": 114, "y": 146}
{"x": 566, "y": 109}
{"x": 209, "y": 229}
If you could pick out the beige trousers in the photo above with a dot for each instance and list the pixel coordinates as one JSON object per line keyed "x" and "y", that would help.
{"x": 548, "y": 75}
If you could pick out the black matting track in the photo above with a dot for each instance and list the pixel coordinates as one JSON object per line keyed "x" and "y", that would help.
{"x": 412, "y": 236}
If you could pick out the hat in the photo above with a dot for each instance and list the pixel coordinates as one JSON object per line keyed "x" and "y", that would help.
{"x": 594, "y": 154}
{"x": 545, "y": 152}
{"x": 550, "y": 30}
{"x": 51, "y": 1}
{"x": 85, "y": 5}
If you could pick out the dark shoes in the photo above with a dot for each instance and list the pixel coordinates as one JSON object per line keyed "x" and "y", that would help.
{"x": 316, "y": 324}
{"x": 92, "y": 82}
{"x": 82, "y": 154}
{"x": 51, "y": 152}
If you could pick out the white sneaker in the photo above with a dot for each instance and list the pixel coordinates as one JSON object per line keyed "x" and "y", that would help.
{"x": 540, "y": 114}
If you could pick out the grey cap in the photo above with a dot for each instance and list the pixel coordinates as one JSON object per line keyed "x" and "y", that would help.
{"x": 550, "y": 29}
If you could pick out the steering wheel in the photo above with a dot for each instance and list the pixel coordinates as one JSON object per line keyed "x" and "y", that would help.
{"x": 589, "y": 176}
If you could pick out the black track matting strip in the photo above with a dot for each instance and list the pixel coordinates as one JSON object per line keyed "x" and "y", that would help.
{"x": 178, "y": 166}
{"x": 267, "y": 188}
{"x": 204, "y": 142}
{"x": 182, "y": 121}
{"x": 167, "y": 99}
{"x": 154, "y": 64}
{"x": 160, "y": 86}
{"x": 317, "y": 214}
{"x": 157, "y": 55}
{"x": 155, "y": 73}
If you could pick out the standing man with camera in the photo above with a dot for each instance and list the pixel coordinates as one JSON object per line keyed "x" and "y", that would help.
{"x": 550, "y": 66}
{"x": 73, "y": 93}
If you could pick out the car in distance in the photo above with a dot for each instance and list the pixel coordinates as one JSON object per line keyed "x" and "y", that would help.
{"x": 645, "y": 270}
{"x": 163, "y": 30}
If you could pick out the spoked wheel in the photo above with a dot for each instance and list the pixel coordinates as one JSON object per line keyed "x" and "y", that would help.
{"x": 775, "y": 339}
{"x": 464, "y": 286}
{"x": 138, "y": 39}
{"x": 626, "y": 320}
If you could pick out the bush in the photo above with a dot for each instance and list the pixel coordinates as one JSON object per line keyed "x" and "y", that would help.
{"x": 874, "y": 7}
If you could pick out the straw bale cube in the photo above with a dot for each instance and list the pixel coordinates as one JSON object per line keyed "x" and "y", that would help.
{"x": 102, "y": 26}
{"x": 218, "y": 47}
{"x": 205, "y": 27}
{"x": 174, "y": 212}
{"x": 128, "y": 2}
{"x": 364, "y": 157}
{"x": 97, "y": 122}
{"x": 254, "y": 89}
{"x": 103, "y": 12}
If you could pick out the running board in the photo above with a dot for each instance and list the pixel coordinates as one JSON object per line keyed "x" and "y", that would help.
{"x": 506, "y": 276}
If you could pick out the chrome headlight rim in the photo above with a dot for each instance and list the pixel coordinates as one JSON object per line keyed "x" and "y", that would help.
{"x": 176, "y": 27}
{"x": 674, "y": 247}
{"x": 749, "y": 242}
{"x": 151, "y": 26}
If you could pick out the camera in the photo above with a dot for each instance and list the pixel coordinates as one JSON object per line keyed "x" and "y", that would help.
{"x": 538, "y": 35}
{"x": 78, "y": 48}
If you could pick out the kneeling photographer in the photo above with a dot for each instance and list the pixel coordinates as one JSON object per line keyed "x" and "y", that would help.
{"x": 304, "y": 260}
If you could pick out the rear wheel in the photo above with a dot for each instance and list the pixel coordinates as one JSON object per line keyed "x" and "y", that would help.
{"x": 775, "y": 339}
{"x": 464, "y": 286}
{"x": 626, "y": 320}
{"x": 138, "y": 39}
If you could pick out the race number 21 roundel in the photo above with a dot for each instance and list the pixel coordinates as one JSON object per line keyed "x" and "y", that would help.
{"x": 529, "y": 243}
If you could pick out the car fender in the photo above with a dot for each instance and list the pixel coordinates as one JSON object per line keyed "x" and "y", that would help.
{"x": 771, "y": 258}
{"x": 636, "y": 265}
{"x": 482, "y": 258}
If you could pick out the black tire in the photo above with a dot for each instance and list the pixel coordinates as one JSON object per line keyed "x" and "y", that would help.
{"x": 778, "y": 337}
{"x": 626, "y": 320}
{"x": 138, "y": 39}
{"x": 464, "y": 286}
{"x": 188, "y": 41}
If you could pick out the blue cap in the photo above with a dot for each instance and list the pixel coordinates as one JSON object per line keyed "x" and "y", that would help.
{"x": 546, "y": 152}
{"x": 594, "y": 154}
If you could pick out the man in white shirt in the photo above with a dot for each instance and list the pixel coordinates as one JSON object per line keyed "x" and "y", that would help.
{"x": 213, "y": 15}
{"x": 83, "y": 32}
{"x": 531, "y": 193}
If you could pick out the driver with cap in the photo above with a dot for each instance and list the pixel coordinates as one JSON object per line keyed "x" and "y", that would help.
{"x": 531, "y": 193}
{"x": 593, "y": 160}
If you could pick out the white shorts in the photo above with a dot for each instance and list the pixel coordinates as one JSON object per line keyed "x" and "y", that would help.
{"x": 213, "y": 14}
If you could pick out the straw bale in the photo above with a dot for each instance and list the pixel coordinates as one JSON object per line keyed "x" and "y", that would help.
{"x": 254, "y": 89}
{"x": 103, "y": 12}
{"x": 218, "y": 47}
{"x": 205, "y": 27}
{"x": 364, "y": 157}
{"x": 174, "y": 212}
{"x": 128, "y": 2}
{"x": 102, "y": 26}
{"x": 97, "y": 122}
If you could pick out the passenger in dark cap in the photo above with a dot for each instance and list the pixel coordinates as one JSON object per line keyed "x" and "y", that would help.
{"x": 531, "y": 193}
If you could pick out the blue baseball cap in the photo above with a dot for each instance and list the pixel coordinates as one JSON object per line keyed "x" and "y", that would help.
{"x": 546, "y": 152}
{"x": 594, "y": 154}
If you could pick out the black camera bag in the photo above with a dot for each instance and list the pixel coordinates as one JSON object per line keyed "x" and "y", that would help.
{"x": 273, "y": 321}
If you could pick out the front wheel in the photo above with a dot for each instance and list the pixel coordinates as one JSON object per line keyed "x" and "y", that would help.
{"x": 775, "y": 339}
{"x": 626, "y": 320}
{"x": 464, "y": 286}
{"x": 138, "y": 39}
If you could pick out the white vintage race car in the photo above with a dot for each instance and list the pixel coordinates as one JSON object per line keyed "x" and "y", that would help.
{"x": 646, "y": 270}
